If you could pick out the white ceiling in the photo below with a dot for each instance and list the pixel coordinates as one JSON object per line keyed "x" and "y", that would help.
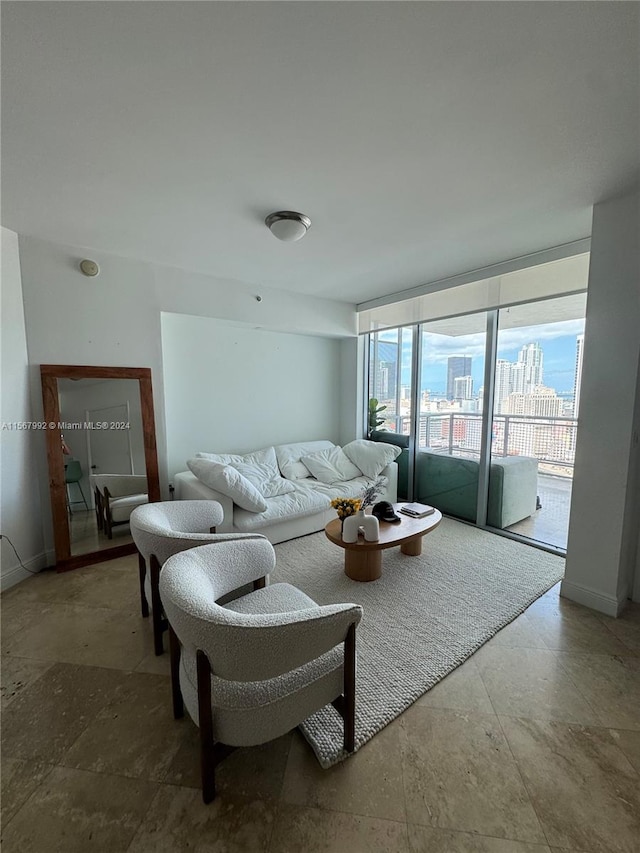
{"x": 423, "y": 139}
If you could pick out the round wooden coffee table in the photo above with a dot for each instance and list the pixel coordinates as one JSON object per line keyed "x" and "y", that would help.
{"x": 363, "y": 560}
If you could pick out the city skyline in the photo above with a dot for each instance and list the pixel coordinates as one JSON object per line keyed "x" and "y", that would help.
{"x": 557, "y": 340}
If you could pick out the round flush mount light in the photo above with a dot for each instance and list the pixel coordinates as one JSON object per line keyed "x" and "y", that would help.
{"x": 288, "y": 225}
{"x": 89, "y": 268}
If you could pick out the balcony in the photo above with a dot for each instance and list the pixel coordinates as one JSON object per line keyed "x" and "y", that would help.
{"x": 550, "y": 440}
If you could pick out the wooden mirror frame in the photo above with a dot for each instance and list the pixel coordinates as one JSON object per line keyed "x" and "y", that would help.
{"x": 49, "y": 374}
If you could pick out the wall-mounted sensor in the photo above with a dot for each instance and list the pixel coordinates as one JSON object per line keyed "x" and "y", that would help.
{"x": 88, "y": 267}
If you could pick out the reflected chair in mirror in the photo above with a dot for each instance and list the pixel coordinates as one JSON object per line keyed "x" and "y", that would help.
{"x": 253, "y": 669}
{"x": 119, "y": 495}
{"x": 72, "y": 477}
{"x": 165, "y": 528}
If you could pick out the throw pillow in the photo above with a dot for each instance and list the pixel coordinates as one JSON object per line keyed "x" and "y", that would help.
{"x": 289, "y": 456}
{"x": 371, "y": 456}
{"x": 261, "y": 470}
{"x": 228, "y": 481}
{"x": 331, "y": 466}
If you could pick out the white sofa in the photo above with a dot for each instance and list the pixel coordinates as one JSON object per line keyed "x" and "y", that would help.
{"x": 304, "y": 507}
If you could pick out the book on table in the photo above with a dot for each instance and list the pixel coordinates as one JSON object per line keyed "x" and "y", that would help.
{"x": 416, "y": 510}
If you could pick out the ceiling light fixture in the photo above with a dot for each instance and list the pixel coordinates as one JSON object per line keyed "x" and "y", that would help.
{"x": 288, "y": 225}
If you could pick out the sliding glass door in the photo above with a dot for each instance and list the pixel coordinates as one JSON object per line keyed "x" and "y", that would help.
{"x": 535, "y": 407}
{"x": 449, "y": 428}
{"x": 484, "y": 406}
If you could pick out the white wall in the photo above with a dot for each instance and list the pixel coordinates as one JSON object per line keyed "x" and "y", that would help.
{"x": 20, "y": 516}
{"x": 601, "y": 552}
{"x": 114, "y": 318}
{"x": 232, "y": 388}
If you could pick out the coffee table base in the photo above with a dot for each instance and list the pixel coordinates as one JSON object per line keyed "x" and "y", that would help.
{"x": 367, "y": 565}
{"x": 363, "y": 565}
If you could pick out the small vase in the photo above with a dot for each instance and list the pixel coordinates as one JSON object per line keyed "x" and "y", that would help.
{"x": 371, "y": 527}
{"x": 353, "y": 524}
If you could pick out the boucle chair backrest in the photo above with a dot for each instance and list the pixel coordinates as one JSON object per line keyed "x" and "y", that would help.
{"x": 244, "y": 646}
{"x": 120, "y": 485}
{"x": 168, "y": 527}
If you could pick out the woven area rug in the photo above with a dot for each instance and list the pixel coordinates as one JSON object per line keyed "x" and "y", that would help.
{"x": 422, "y": 619}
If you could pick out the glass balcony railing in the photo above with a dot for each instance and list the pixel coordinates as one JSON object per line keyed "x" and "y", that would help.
{"x": 550, "y": 440}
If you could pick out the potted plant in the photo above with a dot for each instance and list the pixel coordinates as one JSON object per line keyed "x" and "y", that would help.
{"x": 374, "y": 411}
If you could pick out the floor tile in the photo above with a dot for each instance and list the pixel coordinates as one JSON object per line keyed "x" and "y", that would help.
{"x": 77, "y": 634}
{"x": 459, "y": 774}
{"x": 135, "y": 735}
{"x": 157, "y": 664}
{"x": 19, "y": 780}
{"x": 519, "y": 634}
{"x": 629, "y": 743}
{"x": 424, "y": 839}
{"x": 179, "y": 822}
{"x": 18, "y": 673}
{"x": 585, "y": 792}
{"x": 576, "y": 634}
{"x": 256, "y": 771}
{"x": 532, "y": 683}
{"x": 462, "y": 690}
{"x": 611, "y": 685}
{"x": 312, "y": 830}
{"x": 626, "y": 628}
{"x": 73, "y": 811}
{"x": 49, "y": 715}
{"x": 369, "y": 783}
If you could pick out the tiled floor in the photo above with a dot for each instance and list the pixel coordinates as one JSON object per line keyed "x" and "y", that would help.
{"x": 550, "y": 523}
{"x": 85, "y": 536}
{"x": 531, "y": 746}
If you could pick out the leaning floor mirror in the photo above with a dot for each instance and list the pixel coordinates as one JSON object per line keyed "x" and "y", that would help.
{"x": 103, "y": 462}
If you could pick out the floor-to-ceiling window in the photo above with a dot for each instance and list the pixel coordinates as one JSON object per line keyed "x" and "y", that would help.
{"x": 535, "y": 409}
{"x": 486, "y": 401}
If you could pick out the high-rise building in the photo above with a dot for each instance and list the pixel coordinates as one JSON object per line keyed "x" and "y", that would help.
{"x": 503, "y": 383}
{"x": 457, "y": 365}
{"x": 386, "y": 370}
{"x": 577, "y": 381}
{"x": 462, "y": 388}
{"x": 531, "y": 356}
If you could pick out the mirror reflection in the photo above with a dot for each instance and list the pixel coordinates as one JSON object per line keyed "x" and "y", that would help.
{"x": 102, "y": 445}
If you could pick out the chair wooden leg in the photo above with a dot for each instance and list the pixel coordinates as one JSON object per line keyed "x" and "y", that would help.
{"x": 176, "y": 693}
{"x": 350, "y": 689}
{"x": 142, "y": 571}
{"x": 156, "y": 604}
{"x": 205, "y": 722}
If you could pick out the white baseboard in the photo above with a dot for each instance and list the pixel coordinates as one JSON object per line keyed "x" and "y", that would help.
{"x": 10, "y": 577}
{"x": 606, "y": 604}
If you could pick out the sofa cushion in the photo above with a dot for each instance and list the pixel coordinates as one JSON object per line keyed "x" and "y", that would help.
{"x": 371, "y": 456}
{"x": 229, "y": 481}
{"x": 346, "y": 489}
{"x": 298, "y": 503}
{"x": 260, "y": 468}
{"x": 289, "y": 456}
{"x": 331, "y": 465}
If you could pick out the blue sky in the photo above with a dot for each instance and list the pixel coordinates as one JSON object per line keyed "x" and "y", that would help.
{"x": 558, "y": 342}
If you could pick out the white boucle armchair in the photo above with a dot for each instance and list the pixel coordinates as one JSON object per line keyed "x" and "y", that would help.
{"x": 251, "y": 670}
{"x": 163, "y": 529}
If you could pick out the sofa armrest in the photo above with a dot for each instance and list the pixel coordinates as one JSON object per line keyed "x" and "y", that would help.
{"x": 513, "y": 490}
{"x": 391, "y": 492}
{"x": 189, "y": 488}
